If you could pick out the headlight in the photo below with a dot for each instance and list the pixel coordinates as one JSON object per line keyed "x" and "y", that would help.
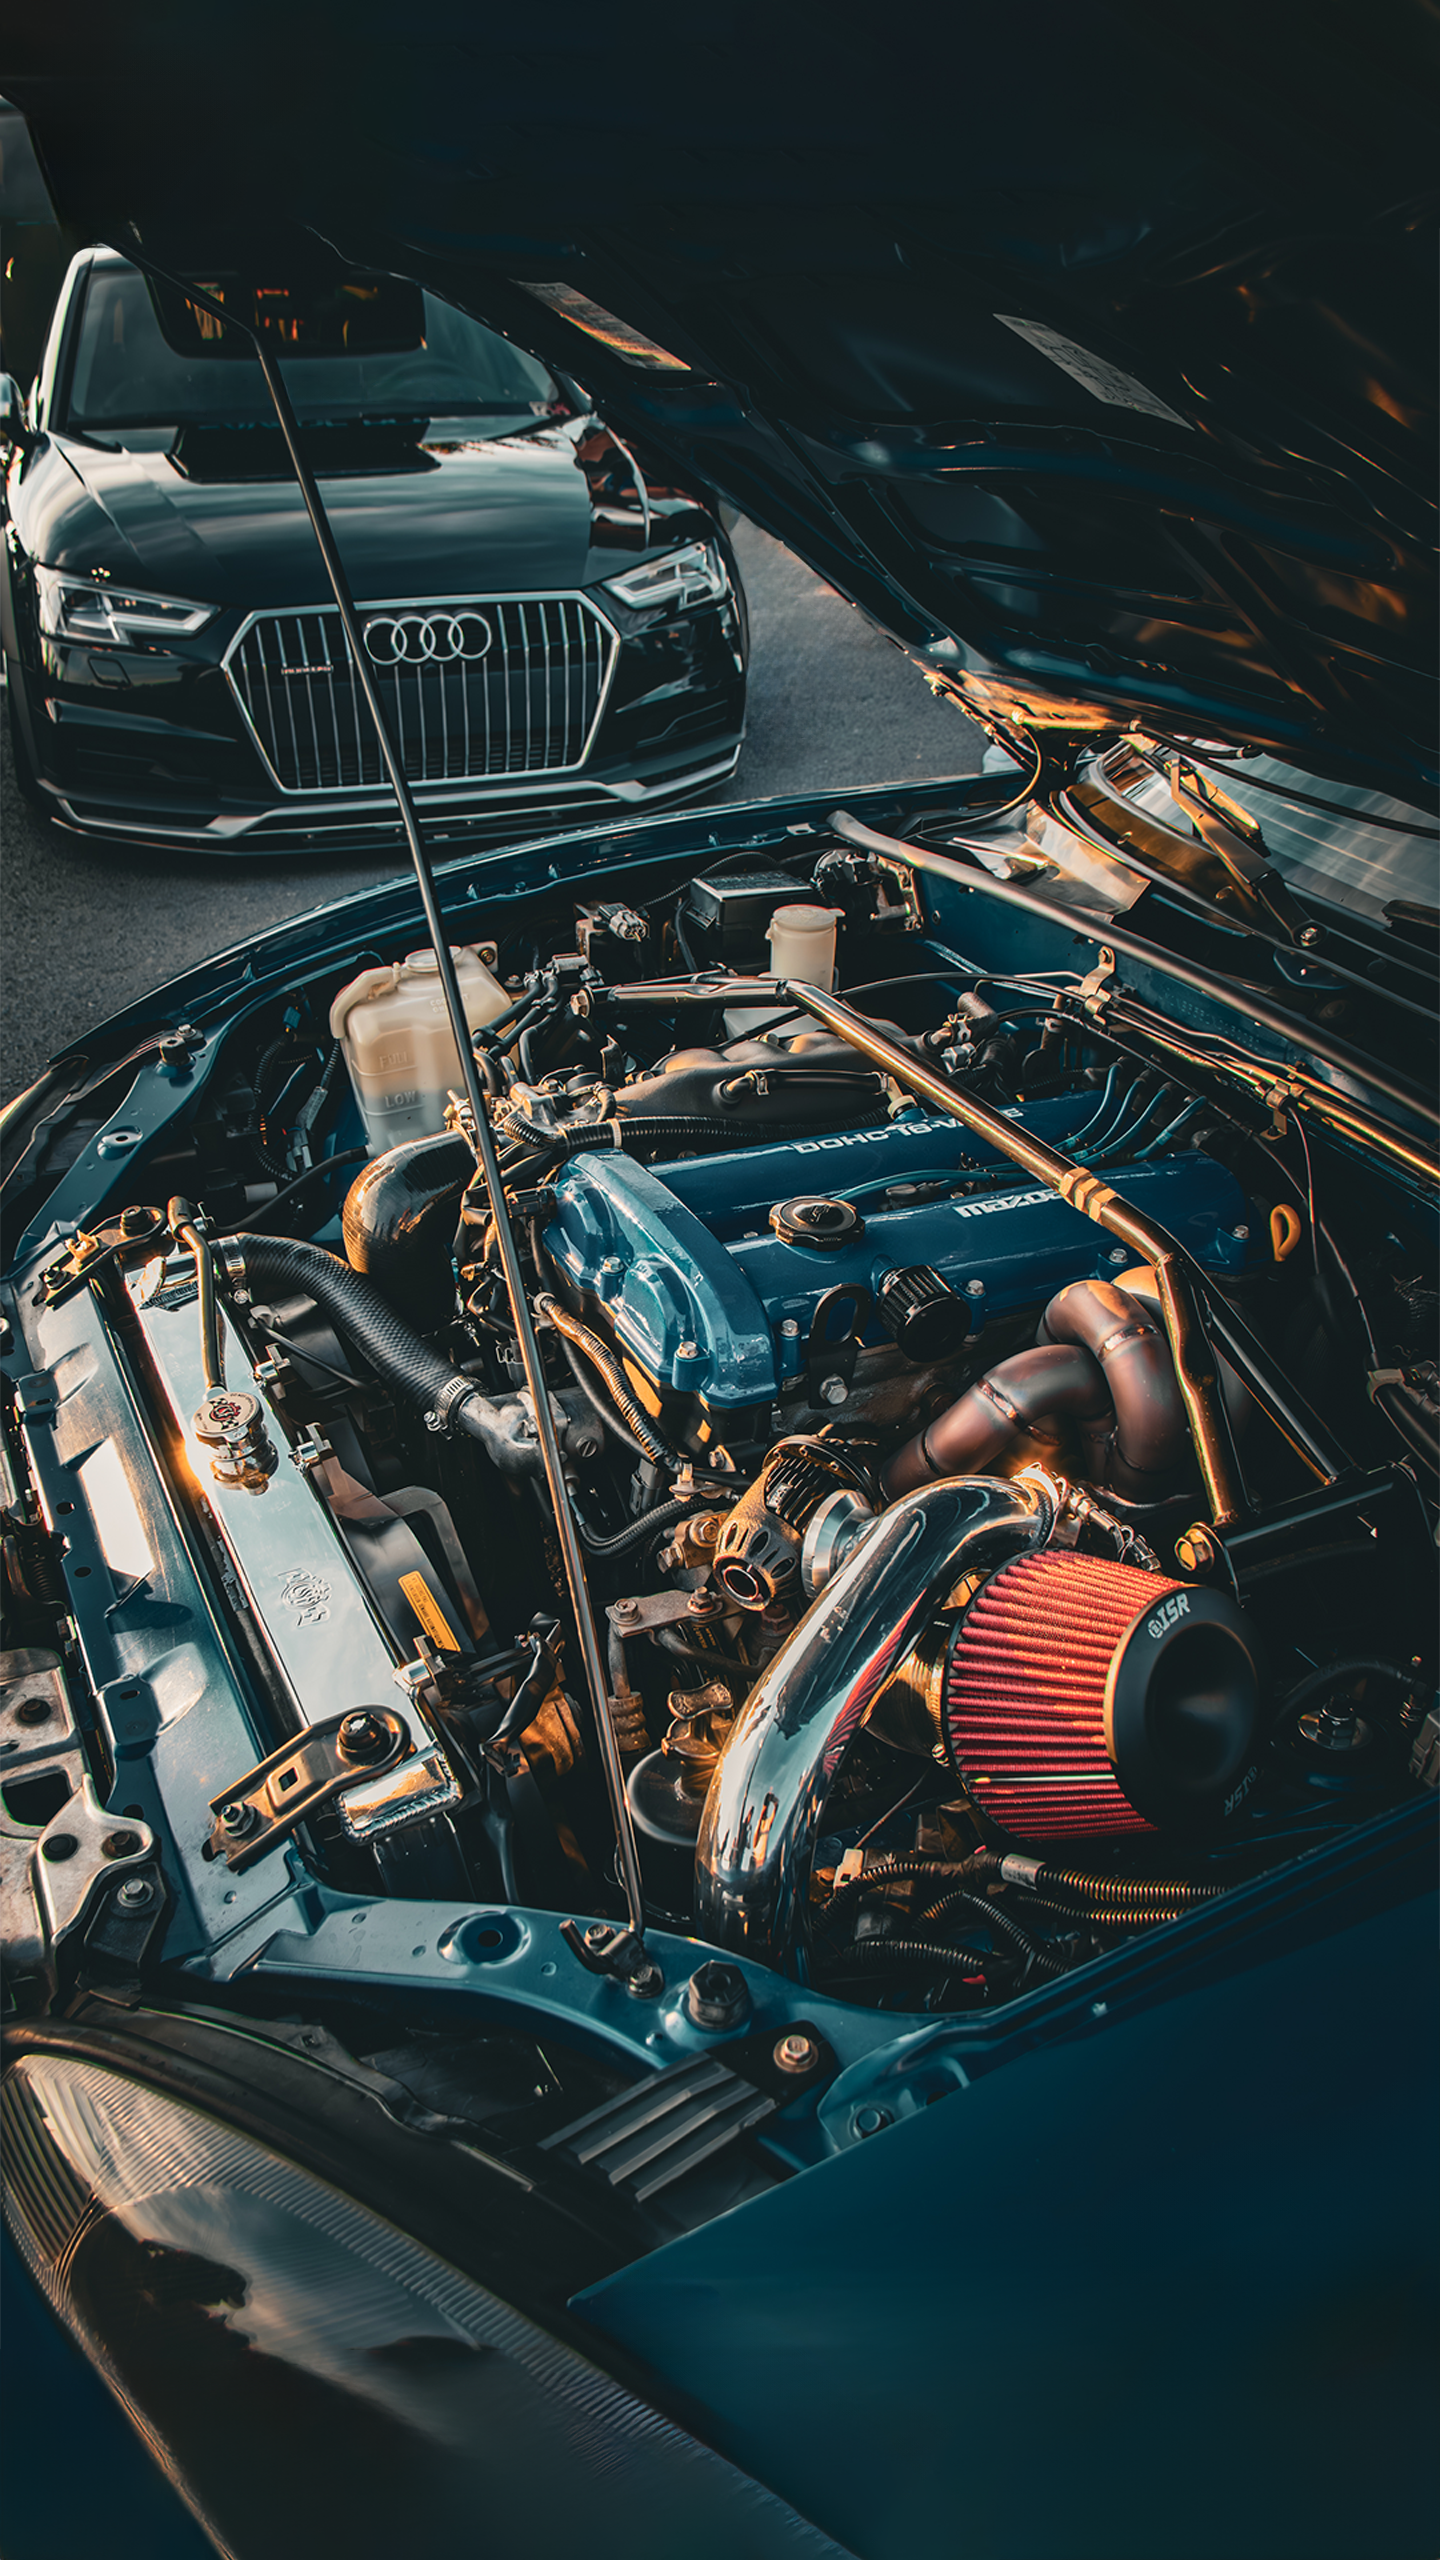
{"x": 309, "y": 2376}
{"x": 84, "y": 609}
{"x": 695, "y": 575}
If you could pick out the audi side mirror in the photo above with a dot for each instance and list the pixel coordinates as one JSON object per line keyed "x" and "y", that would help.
{"x": 14, "y": 426}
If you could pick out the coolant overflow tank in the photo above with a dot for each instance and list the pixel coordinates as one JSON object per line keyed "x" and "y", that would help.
{"x": 398, "y": 1044}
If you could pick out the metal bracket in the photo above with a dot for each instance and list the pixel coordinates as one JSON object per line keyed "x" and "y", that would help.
{"x": 603, "y": 1948}
{"x": 88, "y": 1253}
{"x": 649, "y": 1609}
{"x": 1095, "y": 990}
{"x": 884, "y": 865}
{"x": 79, "y": 1850}
{"x": 263, "y": 1809}
{"x": 36, "y": 1720}
{"x": 830, "y": 1362}
{"x": 124, "y": 1928}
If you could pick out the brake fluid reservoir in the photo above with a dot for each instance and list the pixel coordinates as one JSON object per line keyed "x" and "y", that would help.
{"x": 802, "y": 944}
{"x": 398, "y": 1045}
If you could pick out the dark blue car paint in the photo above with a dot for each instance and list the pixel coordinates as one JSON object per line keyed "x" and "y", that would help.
{"x": 1147, "y": 2290}
{"x": 57, "y": 2506}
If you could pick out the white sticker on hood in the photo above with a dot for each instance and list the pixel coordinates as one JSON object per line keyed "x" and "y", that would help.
{"x": 1092, "y": 372}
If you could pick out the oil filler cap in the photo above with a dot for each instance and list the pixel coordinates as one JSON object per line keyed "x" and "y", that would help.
{"x": 825, "y": 1225}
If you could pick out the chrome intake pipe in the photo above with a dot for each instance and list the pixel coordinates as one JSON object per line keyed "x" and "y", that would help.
{"x": 763, "y": 1812}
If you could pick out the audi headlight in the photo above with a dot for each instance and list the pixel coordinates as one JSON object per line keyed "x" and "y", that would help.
{"x": 695, "y": 575}
{"x": 91, "y": 609}
{"x": 311, "y": 2377}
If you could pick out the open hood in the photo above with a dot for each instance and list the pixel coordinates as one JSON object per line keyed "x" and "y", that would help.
{"x": 1091, "y": 356}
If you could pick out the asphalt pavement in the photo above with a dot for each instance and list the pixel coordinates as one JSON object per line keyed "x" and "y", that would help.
{"x": 89, "y": 926}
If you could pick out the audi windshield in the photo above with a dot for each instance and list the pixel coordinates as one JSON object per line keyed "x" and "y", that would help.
{"x": 123, "y": 372}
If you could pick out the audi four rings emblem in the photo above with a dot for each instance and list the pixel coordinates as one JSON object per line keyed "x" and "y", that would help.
{"x": 426, "y": 639}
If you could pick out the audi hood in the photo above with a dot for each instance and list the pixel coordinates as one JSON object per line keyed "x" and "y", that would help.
{"x": 475, "y": 514}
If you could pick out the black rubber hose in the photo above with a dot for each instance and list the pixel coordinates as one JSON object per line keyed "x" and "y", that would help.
{"x": 721, "y": 1666}
{"x": 1001, "y": 1921}
{"x": 399, "y": 1220}
{"x": 888, "y": 1871}
{"x": 664, "y": 1515}
{"x": 422, "y": 1376}
{"x": 632, "y": 1414}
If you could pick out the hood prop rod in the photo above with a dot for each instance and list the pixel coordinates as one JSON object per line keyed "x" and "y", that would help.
{"x": 625, "y": 1951}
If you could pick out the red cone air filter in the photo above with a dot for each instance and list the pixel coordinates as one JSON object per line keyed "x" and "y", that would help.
{"x": 1086, "y": 1697}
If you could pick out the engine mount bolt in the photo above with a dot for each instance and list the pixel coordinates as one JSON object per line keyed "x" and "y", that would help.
{"x": 120, "y": 1844}
{"x": 1195, "y": 1549}
{"x": 135, "y": 1893}
{"x": 34, "y": 1711}
{"x": 363, "y": 1736}
{"x": 237, "y": 1819}
{"x": 833, "y": 1391}
{"x": 868, "y": 2120}
{"x": 975, "y": 1288}
{"x": 796, "y": 2053}
{"x": 717, "y": 1996}
{"x": 790, "y": 1327}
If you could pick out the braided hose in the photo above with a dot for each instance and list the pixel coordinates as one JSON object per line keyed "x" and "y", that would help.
{"x": 637, "y": 1422}
{"x": 1125, "y": 1893}
{"x": 922, "y": 1951}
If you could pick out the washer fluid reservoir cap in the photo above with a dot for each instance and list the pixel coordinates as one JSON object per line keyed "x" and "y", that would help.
{"x": 824, "y": 1225}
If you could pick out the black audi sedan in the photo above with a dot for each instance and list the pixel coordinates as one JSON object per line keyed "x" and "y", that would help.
{"x": 560, "y": 625}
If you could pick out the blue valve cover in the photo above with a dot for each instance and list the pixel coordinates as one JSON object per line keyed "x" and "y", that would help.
{"x": 697, "y": 1288}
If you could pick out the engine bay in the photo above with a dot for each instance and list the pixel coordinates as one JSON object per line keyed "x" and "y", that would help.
{"x": 996, "y": 1544}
